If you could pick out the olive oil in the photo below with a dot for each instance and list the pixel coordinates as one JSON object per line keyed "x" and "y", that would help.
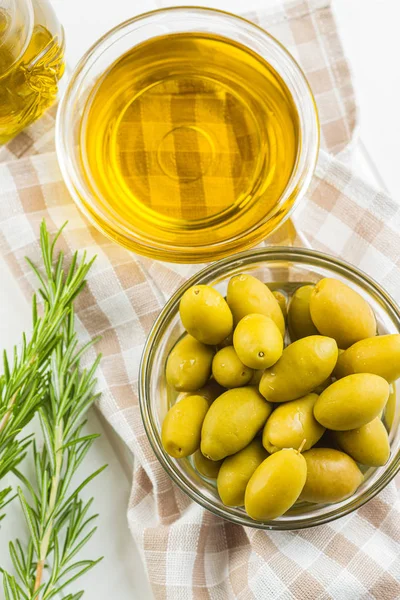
{"x": 31, "y": 63}
{"x": 188, "y": 138}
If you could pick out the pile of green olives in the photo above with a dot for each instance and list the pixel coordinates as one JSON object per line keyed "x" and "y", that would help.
{"x": 281, "y": 399}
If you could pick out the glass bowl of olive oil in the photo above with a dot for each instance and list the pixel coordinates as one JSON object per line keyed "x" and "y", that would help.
{"x": 186, "y": 134}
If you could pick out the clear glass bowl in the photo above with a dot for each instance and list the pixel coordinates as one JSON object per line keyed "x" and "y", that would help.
{"x": 98, "y": 60}
{"x": 272, "y": 265}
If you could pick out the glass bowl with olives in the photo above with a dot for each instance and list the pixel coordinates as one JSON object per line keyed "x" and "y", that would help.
{"x": 268, "y": 388}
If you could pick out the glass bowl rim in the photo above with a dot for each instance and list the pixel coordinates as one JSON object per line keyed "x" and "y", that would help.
{"x": 272, "y": 253}
{"x": 294, "y": 192}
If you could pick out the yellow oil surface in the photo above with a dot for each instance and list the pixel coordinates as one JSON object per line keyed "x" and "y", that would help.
{"x": 29, "y": 85}
{"x": 189, "y": 138}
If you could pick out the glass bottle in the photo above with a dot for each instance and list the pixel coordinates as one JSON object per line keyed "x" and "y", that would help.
{"x": 31, "y": 63}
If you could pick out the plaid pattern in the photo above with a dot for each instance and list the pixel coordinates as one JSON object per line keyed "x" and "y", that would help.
{"x": 167, "y": 141}
{"x": 188, "y": 552}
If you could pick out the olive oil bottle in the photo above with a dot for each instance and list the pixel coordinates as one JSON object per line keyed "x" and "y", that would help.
{"x": 189, "y": 137}
{"x": 31, "y": 63}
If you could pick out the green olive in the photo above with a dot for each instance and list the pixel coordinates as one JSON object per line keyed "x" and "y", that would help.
{"x": 368, "y": 445}
{"x": 352, "y": 401}
{"x": 189, "y": 365}
{"x": 299, "y": 316}
{"x": 275, "y": 485}
{"x": 281, "y": 299}
{"x": 379, "y": 355}
{"x": 303, "y": 366}
{"x": 247, "y": 295}
{"x": 228, "y": 370}
{"x": 257, "y": 341}
{"x": 205, "y": 314}
{"x": 341, "y": 313}
{"x": 332, "y": 476}
{"x": 181, "y": 428}
{"x": 206, "y": 467}
{"x": 291, "y": 424}
{"x": 390, "y": 408}
{"x": 236, "y": 471}
{"x": 233, "y": 421}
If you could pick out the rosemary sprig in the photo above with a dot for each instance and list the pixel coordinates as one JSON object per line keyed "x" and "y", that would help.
{"x": 24, "y": 381}
{"x": 59, "y": 522}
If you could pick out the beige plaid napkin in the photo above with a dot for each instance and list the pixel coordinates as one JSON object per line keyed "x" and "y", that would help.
{"x": 188, "y": 552}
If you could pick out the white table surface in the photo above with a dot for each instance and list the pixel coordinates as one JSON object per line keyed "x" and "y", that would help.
{"x": 369, "y": 30}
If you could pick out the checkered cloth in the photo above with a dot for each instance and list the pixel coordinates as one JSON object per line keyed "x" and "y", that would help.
{"x": 188, "y": 552}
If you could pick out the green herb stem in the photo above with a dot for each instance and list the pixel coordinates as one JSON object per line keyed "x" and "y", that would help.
{"x": 55, "y": 482}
